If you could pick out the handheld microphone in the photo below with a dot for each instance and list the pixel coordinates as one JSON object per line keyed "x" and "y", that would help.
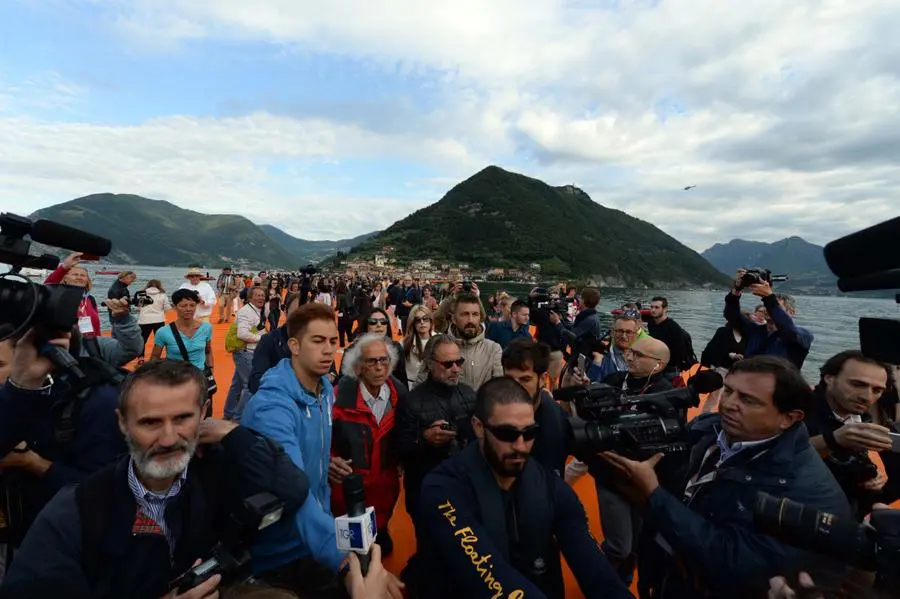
{"x": 55, "y": 234}
{"x": 356, "y": 531}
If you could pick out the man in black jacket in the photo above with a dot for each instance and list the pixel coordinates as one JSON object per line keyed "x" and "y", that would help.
{"x": 434, "y": 423}
{"x": 496, "y": 520}
{"x": 132, "y": 528}
{"x": 527, "y": 362}
{"x": 662, "y": 327}
{"x": 273, "y": 347}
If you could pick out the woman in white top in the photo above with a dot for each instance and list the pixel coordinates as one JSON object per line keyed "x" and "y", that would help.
{"x": 324, "y": 296}
{"x": 419, "y": 329}
{"x": 153, "y": 303}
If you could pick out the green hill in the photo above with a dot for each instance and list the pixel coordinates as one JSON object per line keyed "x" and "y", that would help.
{"x": 501, "y": 219}
{"x": 312, "y": 251}
{"x": 158, "y": 233}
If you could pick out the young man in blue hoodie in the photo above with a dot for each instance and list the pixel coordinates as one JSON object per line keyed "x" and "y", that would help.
{"x": 293, "y": 407}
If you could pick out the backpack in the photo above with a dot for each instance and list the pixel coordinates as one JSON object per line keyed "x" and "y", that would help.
{"x": 232, "y": 343}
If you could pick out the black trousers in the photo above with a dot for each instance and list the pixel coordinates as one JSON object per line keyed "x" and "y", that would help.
{"x": 148, "y": 329}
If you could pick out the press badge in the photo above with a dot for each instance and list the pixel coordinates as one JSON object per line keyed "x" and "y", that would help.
{"x": 85, "y": 326}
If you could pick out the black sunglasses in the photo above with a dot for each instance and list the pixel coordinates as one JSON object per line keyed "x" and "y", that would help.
{"x": 421, "y": 319}
{"x": 451, "y": 363}
{"x": 510, "y": 434}
{"x": 374, "y": 321}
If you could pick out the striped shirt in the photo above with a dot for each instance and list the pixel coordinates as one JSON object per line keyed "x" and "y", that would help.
{"x": 154, "y": 504}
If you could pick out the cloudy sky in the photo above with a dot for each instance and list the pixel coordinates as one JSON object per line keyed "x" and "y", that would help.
{"x": 331, "y": 119}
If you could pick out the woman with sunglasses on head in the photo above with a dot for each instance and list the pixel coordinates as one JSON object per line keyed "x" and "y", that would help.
{"x": 419, "y": 329}
{"x": 378, "y": 321}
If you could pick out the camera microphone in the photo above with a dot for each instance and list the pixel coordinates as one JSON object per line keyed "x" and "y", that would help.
{"x": 53, "y": 233}
{"x": 356, "y": 530}
{"x": 706, "y": 381}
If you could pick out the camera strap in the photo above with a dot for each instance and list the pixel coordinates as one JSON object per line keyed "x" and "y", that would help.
{"x": 181, "y": 347}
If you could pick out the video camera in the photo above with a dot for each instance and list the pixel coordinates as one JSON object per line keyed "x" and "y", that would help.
{"x": 24, "y": 304}
{"x": 231, "y": 557}
{"x": 874, "y": 547}
{"x": 755, "y": 275}
{"x": 861, "y": 263}
{"x": 541, "y": 299}
{"x": 309, "y": 270}
{"x": 637, "y": 426}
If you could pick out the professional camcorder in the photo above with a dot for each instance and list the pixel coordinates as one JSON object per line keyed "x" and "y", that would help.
{"x": 752, "y": 276}
{"x": 541, "y": 299}
{"x": 861, "y": 263}
{"x": 26, "y": 305}
{"x": 636, "y": 426}
{"x": 231, "y": 557}
{"x": 874, "y": 546}
{"x": 309, "y": 270}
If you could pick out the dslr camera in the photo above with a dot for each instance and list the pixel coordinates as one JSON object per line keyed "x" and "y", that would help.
{"x": 755, "y": 275}
{"x": 231, "y": 557}
{"x": 638, "y": 426}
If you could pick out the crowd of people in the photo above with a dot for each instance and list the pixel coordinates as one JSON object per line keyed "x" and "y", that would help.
{"x": 123, "y": 482}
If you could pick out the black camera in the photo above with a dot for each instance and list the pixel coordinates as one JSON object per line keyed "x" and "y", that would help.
{"x": 309, "y": 270}
{"x": 752, "y": 276}
{"x": 850, "y": 468}
{"x": 874, "y": 547}
{"x": 231, "y": 557}
{"x": 467, "y": 286}
{"x": 541, "y": 299}
{"x": 638, "y": 426}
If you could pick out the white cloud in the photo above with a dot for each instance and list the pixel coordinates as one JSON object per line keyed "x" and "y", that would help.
{"x": 785, "y": 115}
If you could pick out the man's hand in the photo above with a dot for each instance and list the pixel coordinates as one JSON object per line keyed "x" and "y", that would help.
{"x": 875, "y": 484}
{"x": 26, "y": 460}
{"x": 208, "y": 589}
{"x": 118, "y": 307}
{"x": 763, "y": 289}
{"x": 573, "y": 378}
{"x": 29, "y": 368}
{"x": 641, "y": 474}
{"x": 475, "y": 290}
{"x": 339, "y": 469}
{"x": 554, "y": 318}
{"x": 436, "y": 436}
{"x": 378, "y": 583}
{"x": 863, "y": 436}
{"x": 779, "y": 589}
{"x": 598, "y": 357}
{"x": 736, "y": 288}
{"x": 213, "y": 430}
{"x": 72, "y": 260}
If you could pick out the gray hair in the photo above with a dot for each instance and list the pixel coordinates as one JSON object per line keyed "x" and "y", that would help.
{"x": 353, "y": 356}
{"x": 788, "y": 300}
{"x": 432, "y": 345}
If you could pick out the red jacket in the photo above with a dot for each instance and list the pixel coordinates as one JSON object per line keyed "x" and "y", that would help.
{"x": 358, "y": 437}
{"x": 88, "y": 305}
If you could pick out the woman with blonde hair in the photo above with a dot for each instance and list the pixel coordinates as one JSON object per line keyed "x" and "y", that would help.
{"x": 70, "y": 272}
{"x": 419, "y": 329}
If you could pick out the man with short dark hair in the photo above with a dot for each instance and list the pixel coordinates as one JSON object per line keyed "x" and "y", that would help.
{"x": 701, "y": 540}
{"x": 134, "y": 527}
{"x": 841, "y": 427}
{"x": 496, "y": 520}
{"x": 527, "y": 362}
{"x": 662, "y": 327}
{"x": 505, "y": 331}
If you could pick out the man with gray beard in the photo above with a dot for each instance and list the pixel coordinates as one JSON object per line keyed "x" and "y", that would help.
{"x": 134, "y": 527}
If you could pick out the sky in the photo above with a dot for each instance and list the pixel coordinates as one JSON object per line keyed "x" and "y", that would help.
{"x": 332, "y": 119}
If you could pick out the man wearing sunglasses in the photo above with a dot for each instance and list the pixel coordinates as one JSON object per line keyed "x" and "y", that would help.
{"x": 494, "y": 521}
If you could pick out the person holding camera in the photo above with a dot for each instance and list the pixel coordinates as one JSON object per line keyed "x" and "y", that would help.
{"x": 779, "y": 336}
{"x": 132, "y": 528}
{"x": 586, "y": 329}
{"x": 841, "y": 428}
{"x": 699, "y": 538}
{"x": 493, "y": 522}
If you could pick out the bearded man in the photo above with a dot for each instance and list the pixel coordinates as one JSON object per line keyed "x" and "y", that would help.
{"x": 131, "y": 529}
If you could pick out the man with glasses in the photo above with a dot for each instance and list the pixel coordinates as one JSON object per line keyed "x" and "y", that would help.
{"x": 625, "y": 333}
{"x": 363, "y": 437}
{"x": 495, "y": 520}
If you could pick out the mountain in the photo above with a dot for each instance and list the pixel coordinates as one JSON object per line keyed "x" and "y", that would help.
{"x": 502, "y": 219}
{"x": 803, "y": 262}
{"x": 312, "y": 251}
{"x": 158, "y": 233}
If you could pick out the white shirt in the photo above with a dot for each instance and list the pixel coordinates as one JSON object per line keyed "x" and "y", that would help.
{"x": 248, "y": 329}
{"x": 206, "y": 293}
{"x": 379, "y": 405}
{"x": 731, "y": 450}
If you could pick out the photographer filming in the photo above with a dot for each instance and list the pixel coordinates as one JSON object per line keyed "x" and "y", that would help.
{"x": 779, "y": 336}
{"x": 699, "y": 539}
{"x": 587, "y": 329}
{"x": 151, "y": 517}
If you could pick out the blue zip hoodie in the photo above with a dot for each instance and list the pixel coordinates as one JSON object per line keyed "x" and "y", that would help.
{"x": 301, "y": 423}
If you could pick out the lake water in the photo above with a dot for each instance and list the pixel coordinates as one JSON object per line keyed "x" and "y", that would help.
{"x": 833, "y": 320}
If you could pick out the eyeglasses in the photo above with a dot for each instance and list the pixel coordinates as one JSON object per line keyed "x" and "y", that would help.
{"x": 421, "y": 319}
{"x": 451, "y": 363}
{"x": 639, "y": 354}
{"x": 510, "y": 434}
{"x": 624, "y": 332}
{"x": 375, "y": 321}
{"x": 373, "y": 362}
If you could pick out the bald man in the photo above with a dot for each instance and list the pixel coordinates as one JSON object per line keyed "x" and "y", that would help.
{"x": 647, "y": 357}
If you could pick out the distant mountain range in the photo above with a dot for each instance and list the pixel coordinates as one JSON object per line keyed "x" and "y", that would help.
{"x": 159, "y": 233}
{"x": 502, "y": 219}
{"x": 803, "y": 262}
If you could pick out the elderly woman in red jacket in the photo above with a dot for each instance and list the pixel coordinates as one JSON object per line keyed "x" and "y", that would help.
{"x": 70, "y": 272}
